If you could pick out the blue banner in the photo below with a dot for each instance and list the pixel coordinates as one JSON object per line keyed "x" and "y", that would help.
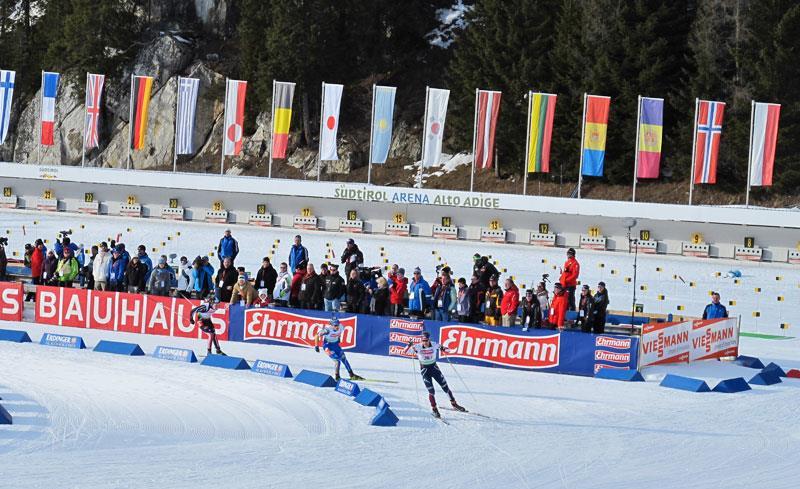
{"x": 382, "y": 123}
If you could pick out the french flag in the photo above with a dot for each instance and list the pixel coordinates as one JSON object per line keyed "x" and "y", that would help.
{"x": 48, "y": 115}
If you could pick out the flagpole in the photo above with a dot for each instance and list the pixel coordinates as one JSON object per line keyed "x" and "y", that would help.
{"x": 583, "y": 141}
{"x": 85, "y": 112}
{"x": 41, "y": 106}
{"x": 694, "y": 147}
{"x": 424, "y": 132}
{"x": 321, "y": 125}
{"x": 750, "y": 153}
{"x": 272, "y": 136}
{"x": 175, "y": 145}
{"x": 371, "y": 135}
{"x": 526, "y": 157}
{"x": 474, "y": 137}
{"x": 636, "y": 147}
{"x": 224, "y": 121}
{"x": 130, "y": 127}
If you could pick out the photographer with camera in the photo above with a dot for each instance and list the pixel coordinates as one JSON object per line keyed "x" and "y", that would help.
{"x": 63, "y": 243}
{"x": 3, "y": 258}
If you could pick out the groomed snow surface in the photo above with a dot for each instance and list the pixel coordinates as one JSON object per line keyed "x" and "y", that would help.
{"x": 94, "y": 420}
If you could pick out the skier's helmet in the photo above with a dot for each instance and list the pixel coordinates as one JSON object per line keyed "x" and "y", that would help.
{"x": 334, "y": 322}
{"x": 426, "y": 335}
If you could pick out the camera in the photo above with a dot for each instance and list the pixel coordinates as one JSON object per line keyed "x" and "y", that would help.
{"x": 369, "y": 273}
{"x": 545, "y": 277}
{"x": 65, "y": 233}
{"x": 3, "y": 241}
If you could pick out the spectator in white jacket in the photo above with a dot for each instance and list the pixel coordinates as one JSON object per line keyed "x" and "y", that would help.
{"x": 185, "y": 278}
{"x": 283, "y": 286}
{"x": 100, "y": 267}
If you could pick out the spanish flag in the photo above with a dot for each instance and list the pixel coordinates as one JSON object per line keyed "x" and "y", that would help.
{"x": 595, "y": 126}
{"x": 541, "y": 110}
{"x": 282, "y": 94}
{"x": 140, "y": 102}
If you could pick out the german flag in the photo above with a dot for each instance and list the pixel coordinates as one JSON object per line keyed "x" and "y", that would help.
{"x": 140, "y": 102}
{"x": 283, "y": 92}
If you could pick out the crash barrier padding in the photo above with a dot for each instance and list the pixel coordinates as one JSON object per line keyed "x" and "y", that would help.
{"x": 315, "y": 379}
{"x": 14, "y": 336}
{"x": 793, "y": 374}
{"x": 619, "y": 374}
{"x": 175, "y": 354}
{"x": 368, "y": 397}
{"x": 749, "y": 362}
{"x": 119, "y": 348}
{"x": 347, "y": 388}
{"x": 63, "y": 341}
{"x": 383, "y": 415}
{"x": 684, "y": 383}
{"x": 774, "y": 367}
{"x": 5, "y": 416}
{"x": 765, "y": 378}
{"x": 272, "y": 368}
{"x": 729, "y": 386}
{"x": 222, "y": 361}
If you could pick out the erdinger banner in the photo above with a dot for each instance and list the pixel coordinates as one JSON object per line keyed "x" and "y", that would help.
{"x": 119, "y": 311}
{"x": 12, "y": 297}
{"x": 665, "y": 343}
{"x": 714, "y": 338}
{"x": 282, "y": 326}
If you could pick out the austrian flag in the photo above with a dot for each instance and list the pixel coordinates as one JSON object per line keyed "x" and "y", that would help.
{"x": 48, "y": 112}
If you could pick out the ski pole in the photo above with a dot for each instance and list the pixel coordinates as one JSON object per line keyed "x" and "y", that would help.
{"x": 461, "y": 379}
{"x": 416, "y": 382}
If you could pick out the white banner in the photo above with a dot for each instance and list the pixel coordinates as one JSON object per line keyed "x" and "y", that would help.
{"x": 665, "y": 343}
{"x": 329, "y": 125}
{"x": 714, "y": 338}
{"x": 435, "y": 113}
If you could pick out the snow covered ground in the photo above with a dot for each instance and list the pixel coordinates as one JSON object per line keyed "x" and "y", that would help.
{"x": 665, "y": 284}
{"x": 95, "y": 420}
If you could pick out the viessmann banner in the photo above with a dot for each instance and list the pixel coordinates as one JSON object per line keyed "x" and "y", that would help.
{"x": 545, "y": 350}
{"x": 689, "y": 341}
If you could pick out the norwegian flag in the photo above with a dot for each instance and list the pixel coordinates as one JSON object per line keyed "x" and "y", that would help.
{"x": 94, "y": 89}
{"x": 708, "y": 131}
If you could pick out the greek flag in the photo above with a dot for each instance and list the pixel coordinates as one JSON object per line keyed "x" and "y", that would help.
{"x": 6, "y": 93}
{"x": 184, "y": 122}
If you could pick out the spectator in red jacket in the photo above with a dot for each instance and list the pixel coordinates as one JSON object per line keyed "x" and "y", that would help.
{"x": 37, "y": 262}
{"x": 569, "y": 277}
{"x": 398, "y": 292}
{"x": 509, "y": 304}
{"x": 297, "y": 281}
{"x": 558, "y": 307}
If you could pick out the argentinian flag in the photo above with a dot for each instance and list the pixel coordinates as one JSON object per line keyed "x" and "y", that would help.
{"x": 382, "y": 112}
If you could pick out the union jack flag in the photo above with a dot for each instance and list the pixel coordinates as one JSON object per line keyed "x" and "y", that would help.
{"x": 94, "y": 88}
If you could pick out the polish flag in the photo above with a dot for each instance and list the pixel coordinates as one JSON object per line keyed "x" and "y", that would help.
{"x": 764, "y": 138}
{"x": 48, "y": 113}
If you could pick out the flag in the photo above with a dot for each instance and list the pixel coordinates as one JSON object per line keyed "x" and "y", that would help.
{"x": 651, "y": 125}
{"x": 140, "y": 102}
{"x": 184, "y": 122}
{"x": 94, "y": 89}
{"x": 382, "y": 114}
{"x": 707, "y": 136}
{"x": 234, "y": 117}
{"x": 329, "y": 125}
{"x": 595, "y": 121}
{"x": 542, "y": 109}
{"x": 487, "y": 110}
{"x": 6, "y": 94}
{"x": 435, "y": 112}
{"x": 48, "y": 109}
{"x": 283, "y": 92}
{"x": 764, "y": 138}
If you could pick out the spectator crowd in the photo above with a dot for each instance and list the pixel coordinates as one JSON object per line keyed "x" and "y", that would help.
{"x": 347, "y": 285}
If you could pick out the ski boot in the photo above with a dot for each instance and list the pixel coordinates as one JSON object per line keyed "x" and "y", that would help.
{"x": 435, "y": 412}
{"x": 456, "y": 406}
{"x": 355, "y": 377}
{"x": 219, "y": 352}
{"x": 336, "y": 377}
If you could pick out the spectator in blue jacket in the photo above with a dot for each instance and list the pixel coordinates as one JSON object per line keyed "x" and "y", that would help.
{"x": 201, "y": 279}
{"x": 228, "y": 247}
{"x": 715, "y": 310}
{"x": 298, "y": 255}
{"x": 419, "y": 293}
{"x": 145, "y": 260}
{"x": 116, "y": 271}
{"x": 64, "y": 243}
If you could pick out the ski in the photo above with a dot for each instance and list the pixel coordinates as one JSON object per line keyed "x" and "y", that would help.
{"x": 440, "y": 419}
{"x": 380, "y": 381}
{"x": 466, "y": 412}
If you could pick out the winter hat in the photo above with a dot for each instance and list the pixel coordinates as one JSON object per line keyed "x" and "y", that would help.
{"x": 476, "y": 257}
{"x": 529, "y": 292}
{"x": 401, "y": 271}
{"x": 585, "y": 287}
{"x": 351, "y": 241}
{"x": 162, "y": 261}
{"x": 263, "y": 292}
{"x": 603, "y": 284}
{"x": 417, "y": 270}
{"x": 557, "y": 285}
{"x": 571, "y": 251}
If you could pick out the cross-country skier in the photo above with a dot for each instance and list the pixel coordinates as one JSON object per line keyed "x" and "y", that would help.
{"x": 330, "y": 343}
{"x": 426, "y": 352}
{"x": 202, "y": 313}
